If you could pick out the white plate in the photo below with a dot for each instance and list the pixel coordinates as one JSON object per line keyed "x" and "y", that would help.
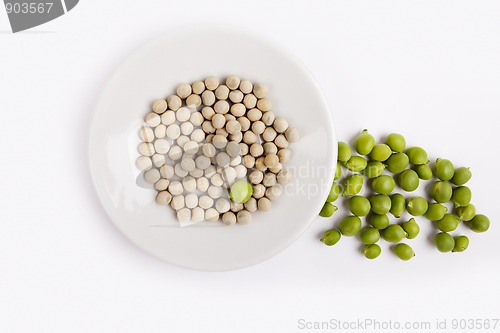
{"x": 152, "y": 72}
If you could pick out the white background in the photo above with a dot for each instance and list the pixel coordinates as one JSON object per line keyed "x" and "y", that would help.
{"x": 427, "y": 69}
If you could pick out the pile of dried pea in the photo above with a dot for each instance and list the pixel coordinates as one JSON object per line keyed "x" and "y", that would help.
{"x": 407, "y": 168}
{"x": 215, "y": 150}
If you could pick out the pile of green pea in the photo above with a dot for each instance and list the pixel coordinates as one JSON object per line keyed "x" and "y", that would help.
{"x": 408, "y": 167}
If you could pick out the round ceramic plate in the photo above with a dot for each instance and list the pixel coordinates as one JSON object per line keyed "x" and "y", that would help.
{"x": 188, "y": 55}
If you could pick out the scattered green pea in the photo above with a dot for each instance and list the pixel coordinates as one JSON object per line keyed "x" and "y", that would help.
{"x": 378, "y": 221}
{"x": 417, "y": 206}
{"x": 364, "y": 143}
{"x": 417, "y": 156}
{"x": 444, "y": 242}
{"x": 359, "y": 206}
{"x": 466, "y": 213}
{"x": 393, "y": 233}
{"x": 392, "y": 155}
{"x": 423, "y": 171}
{"x": 331, "y": 237}
{"x": 344, "y": 152}
{"x": 404, "y": 251}
{"x": 444, "y": 169}
{"x": 352, "y": 185}
{"x": 381, "y": 204}
{"x": 448, "y": 223}
{"x": 480, "y": 223}
{"x": 408, "y": 180}
{"x": 383, "y": 184}
{"x": 397, "y": 142}
{"x": 327, "y": 210}
{"x": 338, "y": 171}
{"x": 461, "y": 244}
{"x": 369, "y": 235}
{"x": 380, "y": 152}
{"x": 398, "y": 205}
{"x": 441, "y": 191}
{"x": 350, "y": 225}
{"x": 461, "y": 196}
{"x": 371, "y": 251}
{"x": 334, "y": 193}
{"x": 411, "y": 228}
{"x": 435, "y": 212}
{"x": 356, "y": 164}
{"x": 462, "y": 176}
{"x": 397, "y": 163}
{"x": 374, "y": 169}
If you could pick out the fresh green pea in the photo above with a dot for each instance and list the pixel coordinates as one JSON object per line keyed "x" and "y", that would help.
{"x": 408, "y": 180}
{"x": 331, "y": 237}
{"x": 241, "y": 192}
{"x": 404, "y": 251}
{"x": 480, "y": 223}
{"x": 352, "y": 185}
{"x": 338, "y": 172}
{"x": 396, "y": 141}
{"x": 423, "y": 171}
{"x": 411, "y": 228}
{"x": 448, "y": 223}
{"x": 374, "y": 169}
{"x": 378, "y": 221}
{"x": 397, "y": 163}
{"x": 398, "y": 205}
{"x": 369, "y": 235}
{"x": 334, "y": 193}
{"x": 417, "y": 206}
{"x": 371, "y": 251}
{"x": 380, "y": 152}
{"x": 344, "y": 152}
{"x": 381, "y": 204}
{"x": 383, "y": 184}
{"x": 364, "y": 143}
{"x": 359, "y": 206}
{"x": 435, "y": 212}
{"x": 350, "y": 225}
{"x": 327, "y": 210}
{"x": 466, "y": 213}
{"x": 462, "y": 176}
{"x": 441, "y": 191}
{"x": 444, "y": 169}
{"x": 461, "y": 196}
{"x": 444, "y": 242}
{"x": 417, "y": 156}
{"x": 393, "y": 233}
{"x": 461, "y": 244}
{"x": 356, "y": 164}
